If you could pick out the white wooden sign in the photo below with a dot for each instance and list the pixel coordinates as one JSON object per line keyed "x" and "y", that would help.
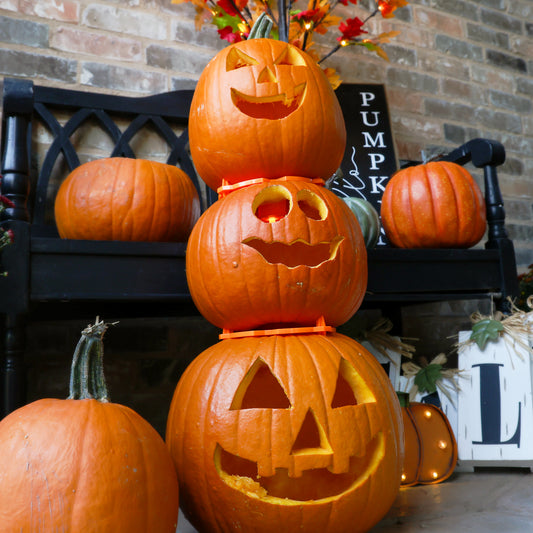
{"x": 391, "y": 364}
{"x": 495, "y": 411}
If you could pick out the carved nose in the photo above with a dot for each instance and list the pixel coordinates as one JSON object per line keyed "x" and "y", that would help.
{"x": 311, "y": 437}
{"x": 266, "y": 76}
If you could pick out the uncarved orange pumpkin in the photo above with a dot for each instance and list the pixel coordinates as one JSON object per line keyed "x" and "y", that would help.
{"x": 126, "y": 199}
{"x": 286, "y": 433}
{"x": 85, "y": 464}
{"x": 436, "y": 205}
{"x": 430, "y": 445}
{"x": 278, "y": 253}
{"x": 263, "y": 108}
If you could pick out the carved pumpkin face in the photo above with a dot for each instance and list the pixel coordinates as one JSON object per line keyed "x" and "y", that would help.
{"x": 302, "y": 430}
{"x": 264, "y": 109}
{"x": 284, "y": 253}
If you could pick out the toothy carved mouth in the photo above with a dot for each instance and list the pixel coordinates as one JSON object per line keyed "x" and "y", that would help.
{"x": 313, "y": 485}
{"x": 270, "y": 107}
{"x": 297, "y": 253}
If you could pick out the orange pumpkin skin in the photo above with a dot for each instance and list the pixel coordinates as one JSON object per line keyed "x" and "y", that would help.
{"x": 83, "y": 465}
{"x": 124, "y": 199}
{"x": 436, "y": 205}
{"x": 245, "y": 464}
{"x": 242, "y": 273}
{"x": 263, "y": 108}
{"x": 430, "y": 445}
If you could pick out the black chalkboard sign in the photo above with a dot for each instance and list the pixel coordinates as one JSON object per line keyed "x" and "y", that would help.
{"x": 369, "y": 160}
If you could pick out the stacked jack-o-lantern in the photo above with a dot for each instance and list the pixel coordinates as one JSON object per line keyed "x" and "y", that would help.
{"x": 283, "y": 425}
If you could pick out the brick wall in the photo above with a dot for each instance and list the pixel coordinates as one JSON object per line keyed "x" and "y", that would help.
{"x": 460, "y": 69}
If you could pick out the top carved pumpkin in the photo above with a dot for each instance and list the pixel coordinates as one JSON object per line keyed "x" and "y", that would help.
{"x": 264, "y": 109}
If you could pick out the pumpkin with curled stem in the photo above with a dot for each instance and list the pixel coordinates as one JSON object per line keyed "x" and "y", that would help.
{"x": 279, "y": 253}
{"x": 123, "y": 199}
{"x": 368, "y": 219}
{"x": 85, "y": 464}
{"x": 263, "y": 108}
{"x": 303, "y": 431}
{"x": 436, "y": 205}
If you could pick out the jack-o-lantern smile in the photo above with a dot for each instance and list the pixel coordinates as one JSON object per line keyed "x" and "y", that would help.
{"x": 273, "y": 107}
{"x": 312, "y": 485}
{"x": 297, "y": 253}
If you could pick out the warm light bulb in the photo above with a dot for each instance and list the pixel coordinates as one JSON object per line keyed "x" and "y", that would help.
{"x": 434, "y": 475}
{"x": 442, "y": 444}
{"x": 404, "y": 477}
{"x": 272, "y": 219}
{"x": 427, "y": 413}
{"x": 308, "y": 26}
{"x": 344, "y": 42}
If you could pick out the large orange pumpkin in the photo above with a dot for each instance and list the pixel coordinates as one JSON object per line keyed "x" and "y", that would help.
{"x": 286, "y": 433}
{"x": 436, "y": 205}
{"x": 124, "y": 199}
{"x": 279, "y": 253}
{"x": 263, "y": 108}
{"x": 430, "y": 445}
{"x": 84, "y": 464}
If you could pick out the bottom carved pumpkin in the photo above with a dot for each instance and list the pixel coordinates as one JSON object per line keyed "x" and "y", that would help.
{"x": 286, "y": 433}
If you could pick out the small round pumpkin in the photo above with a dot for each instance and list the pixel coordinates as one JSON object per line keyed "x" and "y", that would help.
{"x": 123, "y": 199}
{"x": 368, "y": 219}
{"x": 263, "y": 108}
{"x": 85, "y": 464}
{"x": 286, "y": 433}
{"x": 430, "y": 445}
{"x": 283, "y": 252}
{"x": 436, "y": 205}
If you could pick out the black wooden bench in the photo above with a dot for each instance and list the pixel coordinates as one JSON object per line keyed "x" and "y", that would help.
{"x": 52, "y": 278}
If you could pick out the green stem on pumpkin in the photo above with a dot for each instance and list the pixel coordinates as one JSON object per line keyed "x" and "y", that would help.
{"x": 262, "y": 27}
{"x": 403, "y": 397}
{"x": 87, "y": 379}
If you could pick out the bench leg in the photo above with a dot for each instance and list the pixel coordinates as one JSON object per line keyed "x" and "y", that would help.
{"x": 13, "y": 373}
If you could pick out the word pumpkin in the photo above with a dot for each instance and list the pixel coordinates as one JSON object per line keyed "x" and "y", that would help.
{"x": 263, "y": 108}
{"x": 286, "y": 433}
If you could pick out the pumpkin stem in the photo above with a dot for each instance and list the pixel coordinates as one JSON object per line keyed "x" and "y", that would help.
{"x": 87, "y": 380}
{"x": 261, "y": 28}
{"x": 404, "y": 398}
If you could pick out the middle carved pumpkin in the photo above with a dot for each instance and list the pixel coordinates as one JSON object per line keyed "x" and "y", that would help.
{"x": 277, "y": 254}
{"x": 263, "y": 108}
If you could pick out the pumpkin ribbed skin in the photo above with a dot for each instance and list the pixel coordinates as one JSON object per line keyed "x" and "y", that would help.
{"x": 436, "y": 205}
{"x": 244, "y": 272}
{"x": 244, "y": 123}
{"x": 84, "y": 466}
{"x": 238, "y": 411}
{"x": 126, "y": 199}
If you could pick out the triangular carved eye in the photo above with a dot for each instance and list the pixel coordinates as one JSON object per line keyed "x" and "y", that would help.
{"x": 260, "y": 389}
{"x": 290, "y": 56}
{"x": 237, "y": 59}
{"x": 350, "y": 388}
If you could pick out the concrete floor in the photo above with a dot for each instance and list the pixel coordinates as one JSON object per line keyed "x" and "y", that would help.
{"x": 484, "y": 501}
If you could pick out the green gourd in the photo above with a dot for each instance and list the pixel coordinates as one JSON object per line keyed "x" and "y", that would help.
{"x": 368, "y": 218}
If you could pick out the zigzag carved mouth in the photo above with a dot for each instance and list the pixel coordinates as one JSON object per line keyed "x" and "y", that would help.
{"x": 297, "y": 253}
{"x": 270, "y": 107}
{"x": 314, "y": 484}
